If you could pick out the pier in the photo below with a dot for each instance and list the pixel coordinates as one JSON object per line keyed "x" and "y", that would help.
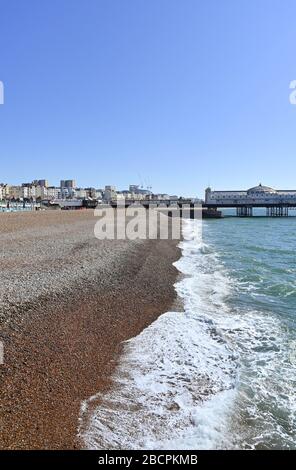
{"x": 276, "y": 203}
{"x": 209, "y": 211}
{"x": 271, "y": 210}
{"x": 187, "y": 208}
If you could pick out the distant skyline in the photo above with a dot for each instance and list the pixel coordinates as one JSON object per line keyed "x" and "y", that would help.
{"x": 169, "y": 94}
{"x": 77, "y": 185}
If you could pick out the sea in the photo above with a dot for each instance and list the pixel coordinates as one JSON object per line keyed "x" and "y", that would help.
{"x": 222, "y": 373}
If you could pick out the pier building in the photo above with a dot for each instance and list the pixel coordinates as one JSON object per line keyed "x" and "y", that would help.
{"x": 276, "y": 202}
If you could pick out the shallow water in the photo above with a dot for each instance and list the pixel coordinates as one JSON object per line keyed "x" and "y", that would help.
{"x": 221, "y": 374}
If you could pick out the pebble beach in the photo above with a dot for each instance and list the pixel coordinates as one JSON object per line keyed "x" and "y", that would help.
{"x": 67, "y": 302}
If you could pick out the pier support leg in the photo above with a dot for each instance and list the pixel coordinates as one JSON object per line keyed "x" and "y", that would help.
{"x": 277, "y": 211}
{"x": 244, "y": 211}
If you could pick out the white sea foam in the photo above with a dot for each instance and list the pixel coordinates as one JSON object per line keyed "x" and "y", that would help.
{"x": 199, "y": 379}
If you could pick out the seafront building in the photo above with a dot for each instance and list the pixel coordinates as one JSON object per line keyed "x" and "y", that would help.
{"x": 69, "y": 195}
{"x": 110, "y": 193}
{"x": 258, "y": 195}
{"x": 277, "y": 202}
{"x": 68, "y": 184}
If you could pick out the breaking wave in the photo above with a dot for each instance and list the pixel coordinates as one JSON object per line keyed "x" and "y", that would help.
{"x": 213, "y": 376}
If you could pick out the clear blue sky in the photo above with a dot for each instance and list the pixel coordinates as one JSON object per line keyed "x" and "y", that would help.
{"x": 176, "y": 93}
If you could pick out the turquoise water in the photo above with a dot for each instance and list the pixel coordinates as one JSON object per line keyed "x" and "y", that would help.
{"x": 258, "y": 257}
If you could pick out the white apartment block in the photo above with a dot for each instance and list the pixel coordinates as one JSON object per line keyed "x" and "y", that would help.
{"x": 80, "y": 193}
{"x": 53, "y": 192}
{"x": 110, "y": 193}
{"x": 14, "y": 192}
